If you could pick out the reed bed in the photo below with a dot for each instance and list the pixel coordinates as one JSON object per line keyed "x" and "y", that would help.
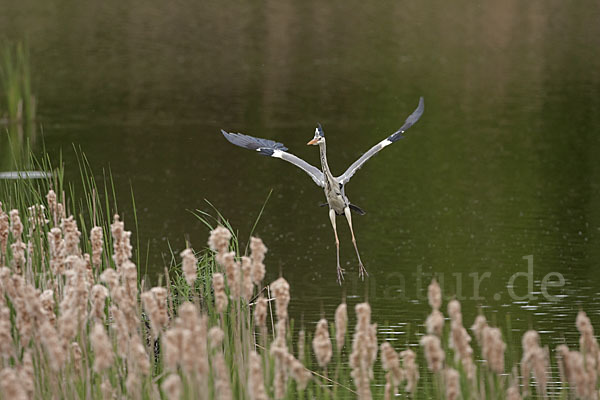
{"x": 76, "y": 321}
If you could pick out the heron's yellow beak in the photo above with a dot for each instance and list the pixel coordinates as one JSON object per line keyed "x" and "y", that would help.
{"x": 314, "y": 141}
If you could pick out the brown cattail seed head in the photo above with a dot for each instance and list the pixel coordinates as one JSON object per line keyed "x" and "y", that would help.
{"x": 103, "y": 351}
{"x": 258, "y": 251}
{"x": 219, "y": 239}
{"x": 411, "y": 370}
{"x": 478, "y": 326}
{"x": 189, "y": 266}
{"x": 322, "y": 344}
{"x": 434, "y": 354}
{"x": 281, "y": 292}
{"x": 256, "y": 385}
{"x": 98, "y": 296}
{"x": 391, "y": 363}
{"x": 232, "y": 271}
{"x": 435, "y": 323}
{"x": 341, "y": 325}
{"x": 434, "y": 295}
{"x": 218, "y": 283}
{"x": 4, "y": 230}
{"x": 364, "y": 351}
{"x": 260, "y": 311}
{"x": 97, "y": 245}
{"x": 11, "y": 385}
{"x": 247, "y": 285}
{"x": 171, "y": 386}
{"x": 452, "y": 384}
{"x": 15, "y": 224}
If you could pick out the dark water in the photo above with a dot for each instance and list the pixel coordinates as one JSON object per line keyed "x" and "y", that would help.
{"x": 503, "y": 164}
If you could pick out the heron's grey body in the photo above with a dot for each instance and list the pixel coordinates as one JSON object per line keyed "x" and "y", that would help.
{"x": 332, "y": 186}
{"x": 334, "y": 192}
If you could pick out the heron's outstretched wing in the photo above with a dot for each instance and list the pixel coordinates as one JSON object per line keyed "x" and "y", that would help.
{"x": 410, "y": 121}
{"x": 271, "y": 148}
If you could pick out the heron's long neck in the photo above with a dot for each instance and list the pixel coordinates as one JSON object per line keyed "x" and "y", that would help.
{"x": 324, "y": 165}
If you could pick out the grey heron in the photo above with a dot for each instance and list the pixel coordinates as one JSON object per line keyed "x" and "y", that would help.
{"x": 333, "y": 186}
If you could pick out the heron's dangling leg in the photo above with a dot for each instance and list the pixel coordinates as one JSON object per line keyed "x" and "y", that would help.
{"x": 340, "y": 271}
{"x": 361, "y": 268}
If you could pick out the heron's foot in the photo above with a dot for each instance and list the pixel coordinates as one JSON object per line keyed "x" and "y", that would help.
{"x": 362, "y": 271}
{"x": 340, "y": 275}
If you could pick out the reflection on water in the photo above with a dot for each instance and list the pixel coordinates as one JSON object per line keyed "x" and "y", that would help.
{"x": 502, "y": 165}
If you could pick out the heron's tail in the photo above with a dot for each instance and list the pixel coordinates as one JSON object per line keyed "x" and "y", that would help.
{"x": 357, "y": 209}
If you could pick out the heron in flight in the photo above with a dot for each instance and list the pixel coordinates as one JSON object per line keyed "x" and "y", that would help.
{"x": 333, "y": 186}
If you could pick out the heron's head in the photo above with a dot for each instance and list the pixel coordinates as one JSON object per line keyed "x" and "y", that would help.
{"x": 319, "y": 136}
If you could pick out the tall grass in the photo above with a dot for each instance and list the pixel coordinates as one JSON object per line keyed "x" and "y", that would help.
{"x": 76, "y": 321}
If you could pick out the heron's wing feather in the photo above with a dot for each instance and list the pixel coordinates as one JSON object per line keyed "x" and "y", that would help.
{"x": 410, "y": 121}
{"x": 274, "y": 149}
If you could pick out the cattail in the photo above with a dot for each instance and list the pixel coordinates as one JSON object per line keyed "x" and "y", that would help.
{"x": 138, "y": 355}
{"x": 364, "y": 351}
{"x": 155, "y": 304}
{"x": 15, "y": 224}
{"x": 232, "y": 272}
{"x": 280, "y": 352}
{"x": 27, "y": 374}
{"x": 57, "y": 251}
{"x": 341, "y": 324}
{"x": 111, "y": 278}
{"x": 54, "y": 346}
{"x": 76, "y": 356}
{"x": 247, "y": 285}
{"x": 18, "y": 251}
{"x": 492, "y": 349}
{"x": 222, "y": 381}
{"x": 106, "y": 389}
{"x": 172, "y": 343}
{"x": 96, "y": 238}
{"x": 11, "y": 385}
{"x": 534, "y": 359}
{"x": 189, "y": 266}
{"x": 73, "y": 307}
{"x": 435, "y": 323}
{"x": 434, "y": 354}
{"x": 219, "y": 239}
{"x": 572, "y": 367}
{"x": 260, "y": 311}
{"x": 71, "y": 236}
{"x": 171, "y": 386}
{"x": 258, "y": 251}
{"x": 47, "y": 305}
{"x": 434, "y": 295}
{"x": 281, "y": 292}
{"x": 98, "y": 296}
{"x": 121, "y": 242}
{"x": 512, "y": 393}
{"x": 218, "y": 284}
{"x": 103, "y": 351}
{"x": 411, "y": 370}
{"x": 6, "y": 342}
{"x": 256, "y": 384}
{"x": 460, "y": 339}
{"x": 52, "y": 206}
{"x": 391, "y": 364}
{"x": 4, "y": 230}
{"x": 587, "y": 342}
{"x": 452, "y": 384}
{"x": 300, "y": 374}
{"x": 478, "y": 326}
{"x": 322, "y": 344}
